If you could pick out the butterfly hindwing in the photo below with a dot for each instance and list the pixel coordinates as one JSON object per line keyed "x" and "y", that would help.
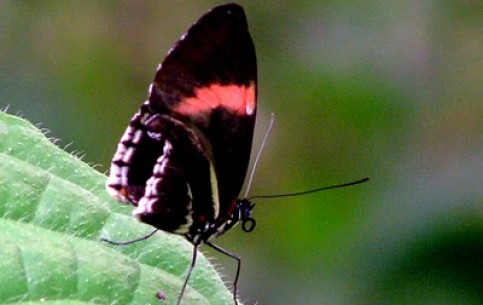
{"x": 179, "y": 196}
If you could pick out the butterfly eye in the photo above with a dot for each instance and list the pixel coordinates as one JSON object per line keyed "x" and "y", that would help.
{"x": 248, "y": 224}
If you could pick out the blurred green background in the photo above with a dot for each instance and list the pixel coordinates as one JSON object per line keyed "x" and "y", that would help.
{"x": 392, "y": 90}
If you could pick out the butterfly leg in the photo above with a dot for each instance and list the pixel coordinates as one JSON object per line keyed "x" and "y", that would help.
{"x": 190, "y": 270}
{"x": 125, "y": 243}
{"x": 238, "y": 259}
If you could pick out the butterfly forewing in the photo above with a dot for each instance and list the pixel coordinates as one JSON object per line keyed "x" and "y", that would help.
{"x": 213, "y": 68}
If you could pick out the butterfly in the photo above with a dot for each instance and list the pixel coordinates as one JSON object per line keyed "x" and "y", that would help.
{"x": 183, "y": 158}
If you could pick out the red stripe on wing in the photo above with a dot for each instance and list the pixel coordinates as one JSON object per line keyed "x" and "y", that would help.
{"x": 235, "y": 98}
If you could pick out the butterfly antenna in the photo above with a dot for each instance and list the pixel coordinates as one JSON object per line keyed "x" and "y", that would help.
{"x": 311, "y": 191}
{"x": 262, "y": 146}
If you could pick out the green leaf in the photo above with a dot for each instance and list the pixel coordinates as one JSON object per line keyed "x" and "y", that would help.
{"x": 54, "y": 210}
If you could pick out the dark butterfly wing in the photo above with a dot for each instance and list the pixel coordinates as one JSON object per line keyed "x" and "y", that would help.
{"x": 207, "y": 87}
{"x": 210, "y": 77}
